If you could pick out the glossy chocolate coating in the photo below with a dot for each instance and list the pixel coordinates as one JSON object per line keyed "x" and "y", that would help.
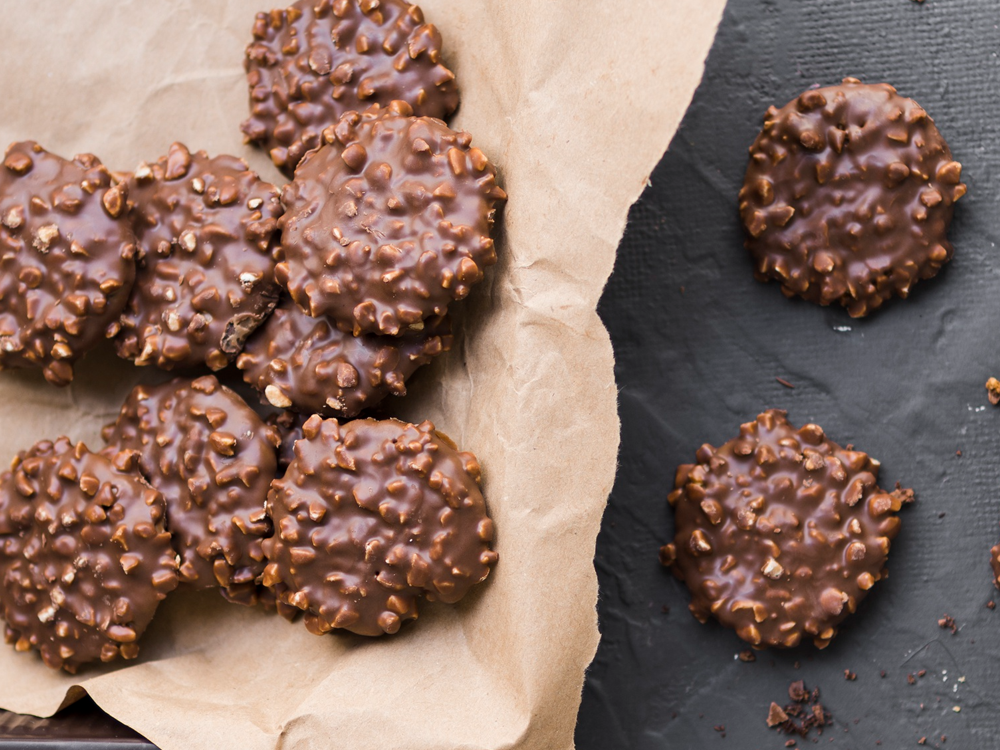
{"x": 66, "y": 258}
{"x": 848, "y": 196}
{"x": 309, "y": 365}
{"x": 84, "y": 559}
{"x": 780, "y": 532}
{"x": 206, "y": 229}
{"x": 213, "y": 459}
{"x": 370, "y": 516}
{"x": 317, "y": 59}
{"x": 388, "y": 223}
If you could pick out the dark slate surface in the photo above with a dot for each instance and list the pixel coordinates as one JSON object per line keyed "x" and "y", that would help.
{"x": 699, "y": 344}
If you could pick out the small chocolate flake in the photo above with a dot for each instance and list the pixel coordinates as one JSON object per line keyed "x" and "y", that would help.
{"x": 785, "y": 383}
{"x": 849, "y": 675}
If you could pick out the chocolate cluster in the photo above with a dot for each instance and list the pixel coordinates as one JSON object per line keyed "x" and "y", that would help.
{"x": 319, "y": 59}
{"x": 780, "y": 532}
{"x": 848, "y": 196}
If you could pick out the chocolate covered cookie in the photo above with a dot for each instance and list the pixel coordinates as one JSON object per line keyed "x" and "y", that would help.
{"x": 213, "y": 459}
{"x": 848, "y": 196}
{"x": 309, "y": 365}
{"x": 389, "y": 222}
{"x": 781, "y": 532}
{"x": 316, "y": 60}
{"x": 207, "y": 235}
{"x": 370, "y": 516}
{"x": 66, "y": 258}
{"x": 84, "y": 559}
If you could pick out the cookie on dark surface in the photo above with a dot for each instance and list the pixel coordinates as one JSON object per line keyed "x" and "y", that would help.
{"x": 66, "y": 258}
{"x": 309, "y": 365}
{"x": 317, "y": 59}
{"x": 389, "y": 222}
{"x": 370, "y": 516}
{"x": 206, "y": 229}
{"x": 780, "y": 533}
{"x": 84, "y": 559}
{"x": 848, "y": 196}
{"x": 213, "y": 459}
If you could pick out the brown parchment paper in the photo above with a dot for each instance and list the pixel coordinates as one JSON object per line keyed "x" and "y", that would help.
{"x": 575, "y": 101}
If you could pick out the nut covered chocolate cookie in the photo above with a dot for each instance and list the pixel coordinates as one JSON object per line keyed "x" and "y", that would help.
{"x": 848, "y": 196}
{"x": 389, "y": 222}
{"x": 213, "y": 459}
{"x": 309, "y": 365}
{"x": 370, "y": 516}
{"x": 207, "y": 235}
{"x": 316, "y": 60}
{"x": 84, "y": 559}
{"x": 781, "y": 532}
{"x": 67, "y": 258}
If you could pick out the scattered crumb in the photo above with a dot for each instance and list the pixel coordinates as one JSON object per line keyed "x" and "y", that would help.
{"x": 882, "y": 673}
{"x": 785, "y": 383}
{"x": 776, "y": 715}
{"x": 958, "y": 453}
{"x": 911, "y": 679}
{"x": 921, "y": 673}
{"x": 719, "y": 728}
{"x": 942, "y": 514}
{"x": 956, "y": 709}
{"x": 802, "y": 715}
{"x": 947, "y": 622}
{"x": 849, "y": 675}
{"x": 747, "y": 655}
{"x": 991, "y": 604}
{"x": 797, "y": 691}
{"x": 993, "y": 391}
{"x": 922, "y": 741}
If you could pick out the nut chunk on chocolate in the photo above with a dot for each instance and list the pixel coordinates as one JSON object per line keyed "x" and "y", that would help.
{"x": 848, "y": 196}
{"x": 84, "y": 559}
{"x": 207, "y": 232}
{"x": 67, "y": 258}
{"x": 780, "y": 532}
{"x": 370, "y": 516}
{"x": 389, "y": 222}
{"x": 316, "y": 60}
{"x": 213, "y": 459}
{"x": 310, "y": 365}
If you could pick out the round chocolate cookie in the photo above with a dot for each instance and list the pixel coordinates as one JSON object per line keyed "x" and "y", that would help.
{"x": 780, "y": 532}
{"x": 848, "y": 196}
{"x": 67, "y": 258}
{"x": 213, "y": 459}
{"x": 389, "y": 222}
{"x": 84, "y": 559}
{"x": 370, "y": 516}
{"x": 307, "y": 364}
{"x": 207, "y": 236}
{"x": 318, "y": 59}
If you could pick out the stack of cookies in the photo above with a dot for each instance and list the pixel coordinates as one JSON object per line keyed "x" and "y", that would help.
{"x": 327, "y": 295}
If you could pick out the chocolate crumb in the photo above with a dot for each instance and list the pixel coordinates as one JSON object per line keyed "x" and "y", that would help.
{"x": 991, "y": 604}
{"x": 790, "y": 743}
{"x": 849, "y": 675}
{"x": 947, "y": 622}
{"x": 921, "y": 673}
{"x": 922, "y": 741}
{"x": 882, "y": 673}
{"x": 776, "y": 715}
{"x": 797, "y": 691}
{"x": 719, "y": 728}
{"x": 785, "y": 383}
{"x": 911, "y": 679}
{"x": 993, "y": 391}
{"x": 747, "y": 656}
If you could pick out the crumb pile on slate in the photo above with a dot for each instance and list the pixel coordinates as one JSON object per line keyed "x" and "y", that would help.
{"x": 207, "y": 233}
{"x": 66, "y": 258}
{"x": 318, "y": 59}
{"x": 84, "y": 559}
{"x": 308, "y": 364}
{"x": 388, "y": 222}
{"x": 213, "y": 459}
{"x": 802, "y": 715}
{"x": 848, "y": 196}
{"x": 371, "y": 516}
{"x": 780, "y": 532}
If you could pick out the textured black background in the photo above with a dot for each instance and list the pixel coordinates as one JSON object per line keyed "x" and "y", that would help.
{"x": 699, "y": 344}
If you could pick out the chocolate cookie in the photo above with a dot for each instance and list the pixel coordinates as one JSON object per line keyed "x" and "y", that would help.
{"x": 848, "y": 196}
{"x": 307, "y": 364}
{"x": 318, "y": 59}
{"x": 208, "y": 241}
{"x": 66, "y": 258}
{"x": 780, "y": 532}
{"x": 389, "y": 222}
{"x": 213, "y": 459}
{"x": 84, "y": 559}
{"x": 370, "y": 516}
